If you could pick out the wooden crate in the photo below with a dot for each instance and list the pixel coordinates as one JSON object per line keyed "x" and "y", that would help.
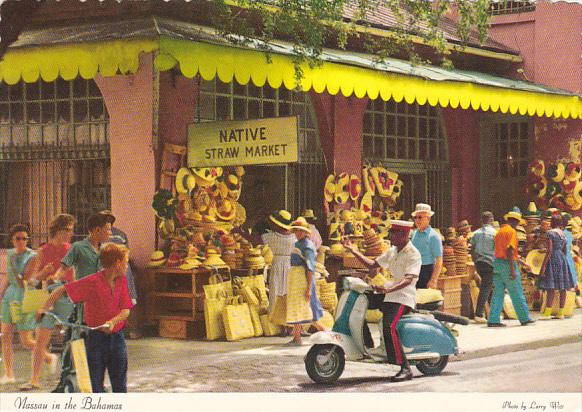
{"x": 176, "y": 328}
{"x": 451, "y": 288}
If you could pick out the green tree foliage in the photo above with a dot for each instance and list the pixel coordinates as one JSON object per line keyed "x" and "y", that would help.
{"x": 311, "y": 25}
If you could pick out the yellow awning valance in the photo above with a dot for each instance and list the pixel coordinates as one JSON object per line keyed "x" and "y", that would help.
{"x": 341, "y": 72}
{"x": 463, "y": 90}
{"x": 71, "y": 60}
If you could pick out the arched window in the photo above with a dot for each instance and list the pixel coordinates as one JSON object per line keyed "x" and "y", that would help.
{"x": 54, "y": 153}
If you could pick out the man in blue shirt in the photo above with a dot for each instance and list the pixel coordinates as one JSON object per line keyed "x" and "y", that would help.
{"x": 430, "y": 246}
{"x": 483, "y": 253}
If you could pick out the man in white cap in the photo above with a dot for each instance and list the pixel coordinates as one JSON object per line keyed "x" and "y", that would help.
{"x": 430, "y": 246}
{"x": 397, "y": 298}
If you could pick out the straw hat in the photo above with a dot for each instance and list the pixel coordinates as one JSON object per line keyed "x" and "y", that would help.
{"x": 157, "y": 259}
{"x": 532, "y": 210}
{"x": 226, "y": 211}
{"x": 355, "y": 187}
{"x": 214, "y": 260}
{"x": 281, "y": 218}
{"x": 308, "y": 214}
{"x": 233, "y": 184}
{"x": 301, "y": 224}
{"x": 515, "y": 213}
{"x": 535, "y": 259}
{"x": 556, "y": 172}
{"x": 336, "y": 249}
{"x": 342, "y": 189}
{"x": 366, "y": 202}
{"x": 463, "y": 224}
{"x": 190, "y": 264}
{"x": 422, "y": 208}
{"x": 329, "y": 188}
{"x": 334, "y": 233}
{"x": 185, "y": 181}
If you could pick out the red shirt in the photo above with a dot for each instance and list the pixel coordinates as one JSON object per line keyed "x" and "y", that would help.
{"x": 53, "y": 254}
{"x": 101, "y": 303}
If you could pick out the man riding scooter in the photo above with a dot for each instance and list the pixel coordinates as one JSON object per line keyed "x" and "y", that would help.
{"x": 397, "y": 298}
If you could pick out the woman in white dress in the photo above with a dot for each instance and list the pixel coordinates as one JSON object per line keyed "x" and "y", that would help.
{"x": 282, "y": 242}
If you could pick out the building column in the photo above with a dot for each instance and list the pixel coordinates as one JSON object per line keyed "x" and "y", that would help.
{"x": 340, "y": 123}
{"x": 130, "y": 101}
{"x": 462, "y": 131}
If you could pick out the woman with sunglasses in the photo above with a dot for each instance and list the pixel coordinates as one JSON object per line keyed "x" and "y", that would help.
{"x": 47, "y": 263}
{"x": 18, "y": 271}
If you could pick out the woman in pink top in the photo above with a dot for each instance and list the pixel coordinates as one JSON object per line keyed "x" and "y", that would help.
{"x": 47, "y": 263}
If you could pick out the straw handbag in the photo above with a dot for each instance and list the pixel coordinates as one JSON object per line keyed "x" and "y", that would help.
{"x": 34, "y": 299}
{"x": 258, "y": 282}
{"x": 237, "y": 320}
{"x": 256, "y": 320}
{"x": 213, "y": 308}
{"x": 327, "y": 294}
{"x": 245, "y": 291}
{"x": 216, "y": 284}
{"x": 569, "y": 306}
{"x": 269, "y": 328}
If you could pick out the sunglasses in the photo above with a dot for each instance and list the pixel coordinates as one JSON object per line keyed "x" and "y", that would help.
{"x": 21, "y": 238}
{"x": 419, "y": 217}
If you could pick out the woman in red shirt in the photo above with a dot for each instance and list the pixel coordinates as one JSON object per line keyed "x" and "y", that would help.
{"x": 47, "y": 261}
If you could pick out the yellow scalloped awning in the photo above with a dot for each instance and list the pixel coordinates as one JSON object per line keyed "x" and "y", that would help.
{"x": 244, "y": 65}
{"x": 71, "y": 60}
{"x": 467, "y": 90}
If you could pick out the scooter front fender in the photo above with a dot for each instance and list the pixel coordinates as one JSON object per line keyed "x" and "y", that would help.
{"x": 345, "y": 342}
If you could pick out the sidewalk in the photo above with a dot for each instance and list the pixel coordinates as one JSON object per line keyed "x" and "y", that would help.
{"x": 474, "y": 340}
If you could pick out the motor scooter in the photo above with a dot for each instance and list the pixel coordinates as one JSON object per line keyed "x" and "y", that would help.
{"x": 427, "y": 336}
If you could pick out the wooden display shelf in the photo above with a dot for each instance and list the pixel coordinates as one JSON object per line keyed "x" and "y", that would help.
{"x": 175, "y": 300}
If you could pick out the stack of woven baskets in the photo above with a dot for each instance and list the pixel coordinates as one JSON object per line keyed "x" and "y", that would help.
{"x": 449, "y": 261}
{"x": 461, "y": 256}
{"x": 373, "y": 243}
{"x": 327, "y": 294}
{"x": 229, "y": 251}
{"x": 254, "y": 259}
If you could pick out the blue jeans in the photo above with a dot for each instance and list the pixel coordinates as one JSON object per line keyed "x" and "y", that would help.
{"x": 107, "y": 352}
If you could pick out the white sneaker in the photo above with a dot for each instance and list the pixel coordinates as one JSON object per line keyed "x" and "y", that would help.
{"x": 479, "y": 319}
{"x": 53, "y": 364}
{"x": 5, "y": 380}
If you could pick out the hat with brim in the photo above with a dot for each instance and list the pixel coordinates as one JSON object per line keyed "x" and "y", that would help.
{"x": 185, "y": 181}
{"x": 337, "y": 249}
{"x": 301, "y": 224}
{"x": 532, "y": 210}
{"x": 281, "y": 218}
{"x": 190, "y": 264}
{"x": 214, "y": 260}
{"x": 334, "y": 233}
{"x": 157, "y": 259}
{"x": 329, "y": 188}
{"x": 355, "y": 187}
{"x": 205, "y": 176}
{"x": 422, "y": 208}
{"x": 342, "y": 189}
{"x": 226, "y": 211}
{"x": 308, "y": 214}
{"x": 515, "y": 213}
{"x": 535, "y": 260}
{"x": 366, "y": 202}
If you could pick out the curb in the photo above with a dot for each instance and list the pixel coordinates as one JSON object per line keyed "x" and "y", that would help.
{"x": 517, "y": 347}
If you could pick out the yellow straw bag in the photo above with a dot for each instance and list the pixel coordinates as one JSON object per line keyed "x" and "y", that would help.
{"x": 258, "y": 282}
{"x": 569, "y": 306}
{"x": 34, "y": 299}
{"x": 215, "y": 285}
{"x": 245, "y": 291}
{"x": 298, "y": 308}
{"x": 326, "y": 320}
{"x": 213, "y": 316}
{"x": 237, "y": 320}
{"x": 256, "y": 320}
{"x": 269, "y": 328}
{"x": 378, "y": 280}
{"x": 15, "y": 311}
{"x": 81, "y": 366}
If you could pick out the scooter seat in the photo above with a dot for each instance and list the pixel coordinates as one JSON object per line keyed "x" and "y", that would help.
{"x": 429, "y": 305}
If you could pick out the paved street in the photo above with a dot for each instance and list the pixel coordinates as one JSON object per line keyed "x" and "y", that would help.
{"x": 543, "y": 357}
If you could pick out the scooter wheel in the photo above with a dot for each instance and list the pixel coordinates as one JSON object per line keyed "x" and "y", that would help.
{"x": 325, "y": 363}
{"x": 432, "y": 366}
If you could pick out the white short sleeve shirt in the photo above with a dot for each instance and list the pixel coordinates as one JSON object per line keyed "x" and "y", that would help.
{"x": 405, "y": 262}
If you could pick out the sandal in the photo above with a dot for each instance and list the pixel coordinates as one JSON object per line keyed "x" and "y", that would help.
{"x": 29, "y": 387}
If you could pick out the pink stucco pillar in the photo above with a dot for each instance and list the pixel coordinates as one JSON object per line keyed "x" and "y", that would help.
{"x": 462, "y": 130}
{"x": 340, "y": 123}
{"x": 177, "y": 109}
{"x": 129, "y": 101}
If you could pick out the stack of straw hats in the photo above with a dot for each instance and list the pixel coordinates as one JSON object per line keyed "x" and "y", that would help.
{"x": 449, "y": 261}
{"x": 373, "y": 243}
{"x": 461, "y": 256}
{"x": 254, "y": 259}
